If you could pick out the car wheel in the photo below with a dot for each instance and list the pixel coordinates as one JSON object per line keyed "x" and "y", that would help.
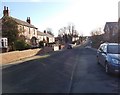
{"x": 106, "y": 68}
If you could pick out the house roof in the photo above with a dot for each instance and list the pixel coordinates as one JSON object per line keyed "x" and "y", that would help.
{"x": 0, "y": 25}
{"x": 110, "y": 25}
{"x": 41, "y": 33}
{"x": 44, "y": 34}
{"x": 0, "y": 22}
{"x": 0, "y": 28}
{"x": 23, "y": 23}
{"x": 48, "y": 35}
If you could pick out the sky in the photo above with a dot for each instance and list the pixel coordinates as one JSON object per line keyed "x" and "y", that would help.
{"x": 86, "y": 15}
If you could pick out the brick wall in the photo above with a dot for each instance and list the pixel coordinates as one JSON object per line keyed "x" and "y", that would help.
{"x": 17, "y": 55}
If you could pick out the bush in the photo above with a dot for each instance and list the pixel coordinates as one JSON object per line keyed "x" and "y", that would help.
{"x": 21, "y": 45}
{"x": 41, "y": 44}
{"x": 96, "y": 40}
{"x": 27, "y": 46}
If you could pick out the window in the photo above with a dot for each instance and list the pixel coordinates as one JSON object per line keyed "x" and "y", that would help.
{"x": 29, "y": 30}
{"x": 5, "y": 42}
{"x": 34, "y": 31}
{"x": 20, "y": 28}
{"x": 23, "y": 28}
{"x": 2, "y": 43}
{"x": 114, "y": 49}
{"x": 105, "y": 48}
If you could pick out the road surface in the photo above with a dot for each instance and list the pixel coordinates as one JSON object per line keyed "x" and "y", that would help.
{"x": 69, "y": 71}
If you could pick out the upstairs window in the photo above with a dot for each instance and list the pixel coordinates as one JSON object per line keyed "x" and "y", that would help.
{"x": 34, "y": 31}
{"x": 29, "y": 30}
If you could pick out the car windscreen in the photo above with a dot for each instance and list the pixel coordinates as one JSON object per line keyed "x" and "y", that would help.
{"x": 114, "y": 49}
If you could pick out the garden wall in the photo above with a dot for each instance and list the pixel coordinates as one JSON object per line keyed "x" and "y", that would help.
{"x": 17, "y": 55}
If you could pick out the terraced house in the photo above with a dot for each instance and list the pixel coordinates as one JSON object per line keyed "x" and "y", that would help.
{"x": 46, "y": 37}
{"x": 27, "y": 31}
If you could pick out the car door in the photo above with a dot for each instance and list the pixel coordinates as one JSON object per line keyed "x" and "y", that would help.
{"x": 103, "y": 55}
{"x": 99, "y": 54}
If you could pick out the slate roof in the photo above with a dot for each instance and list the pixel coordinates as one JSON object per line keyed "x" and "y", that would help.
{"x": 0, "y": 28}
{"x": 44, "y": 34}
{"x": 41, "y": 33}
{"x": 48, "y": 35}
{"x": 23, "y": 23}
{"x": 0, "y": 24}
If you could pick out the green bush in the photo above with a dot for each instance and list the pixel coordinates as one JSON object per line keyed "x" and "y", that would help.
{"x": 21, "y": 45}
{"x": 41, "y": 44}
{"x": 27, "y": 46}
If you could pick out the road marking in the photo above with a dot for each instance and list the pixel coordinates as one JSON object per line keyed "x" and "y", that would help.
{"x": 71, "y": 79}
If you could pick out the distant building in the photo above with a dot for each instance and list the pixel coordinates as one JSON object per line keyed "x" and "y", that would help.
{"x": 41, "y": 36}
{"x": 50, "y": 38}
{"x": 111, "y": 30}
{"x": 46, "y": 37}
{"x": 27, "y": 30}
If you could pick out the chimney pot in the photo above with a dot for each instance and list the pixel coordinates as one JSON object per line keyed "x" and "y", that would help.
{"x": 5, "y": 11}
{"x": 4, "y": 7}
{"x": 44, "y": 31}
{"x": 28, "y": 20}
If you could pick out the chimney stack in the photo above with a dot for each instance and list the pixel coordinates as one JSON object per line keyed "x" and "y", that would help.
{"x": 4, "y": 7}
{"x": 28, "y": 20}
{"x": 5, "y": 11}
{"x": 45, "y": 31}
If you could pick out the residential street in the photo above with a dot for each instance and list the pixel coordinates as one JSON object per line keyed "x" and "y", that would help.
{"x": 68, "y": 71}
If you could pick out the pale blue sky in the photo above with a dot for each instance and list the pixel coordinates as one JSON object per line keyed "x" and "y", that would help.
{"x": 87, "y": 15}
{"x": 38, "y": 11}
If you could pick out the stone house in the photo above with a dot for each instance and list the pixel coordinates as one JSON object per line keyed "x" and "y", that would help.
{"x": 27, "y": 31}
{"x": 0, "y": 28}
{"x": 3, "y": 40}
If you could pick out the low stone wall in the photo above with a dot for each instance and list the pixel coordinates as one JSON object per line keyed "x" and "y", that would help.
{"x": 17, "y": 55}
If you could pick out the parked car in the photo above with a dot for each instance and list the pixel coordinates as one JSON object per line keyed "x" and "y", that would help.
{"x": 108, "y": 55}
{"x": 70, "y": 46}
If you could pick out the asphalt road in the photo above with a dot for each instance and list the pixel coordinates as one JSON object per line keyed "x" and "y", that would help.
{"x": 69, "y": 71}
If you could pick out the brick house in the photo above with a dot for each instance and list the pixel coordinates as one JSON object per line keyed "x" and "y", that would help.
{"x": 0, "y": 28}
{"x": 111, "y": 31}
{"x": 3, "y": 40}
{"x": 27, "y": 30}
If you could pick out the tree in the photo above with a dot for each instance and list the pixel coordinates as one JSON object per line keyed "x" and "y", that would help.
{"x": 96, "y": 38}
{"x": 67, "y": 33}
{"x": 10, "y": 30}
{"x": 96, "y": 32}
{"x": 49, "y": 31}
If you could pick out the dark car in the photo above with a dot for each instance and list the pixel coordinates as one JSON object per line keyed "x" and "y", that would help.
{"x": 70, "y": 46}
{"x": 108, "y": 55}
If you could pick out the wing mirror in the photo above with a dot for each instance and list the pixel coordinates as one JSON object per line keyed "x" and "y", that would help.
{"x": 103, "y": 52}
